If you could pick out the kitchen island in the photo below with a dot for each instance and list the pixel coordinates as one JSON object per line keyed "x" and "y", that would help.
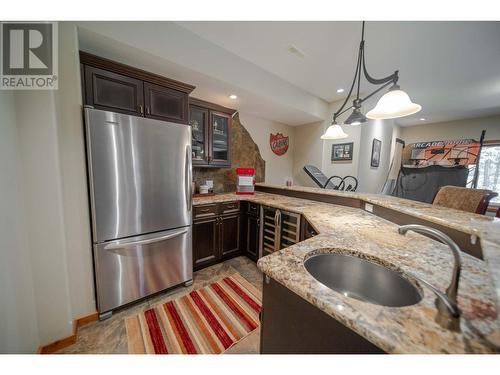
{"x": 353, "y": 230}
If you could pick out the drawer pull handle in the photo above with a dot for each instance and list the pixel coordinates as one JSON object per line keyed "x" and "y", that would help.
{"x": 205, "y": 210}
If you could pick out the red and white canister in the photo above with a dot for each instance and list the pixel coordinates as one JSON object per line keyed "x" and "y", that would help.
{"x": 245, "y": 181}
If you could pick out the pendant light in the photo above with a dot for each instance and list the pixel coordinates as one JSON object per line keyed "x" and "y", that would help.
{"x": 356, "y": 117}
{"x": 334, "y": 131}
{"x": 396, "y": 103}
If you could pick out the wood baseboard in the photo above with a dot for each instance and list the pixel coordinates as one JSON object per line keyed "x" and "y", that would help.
{"x": 85, "y": 320}
{"x": 68, "y": 340}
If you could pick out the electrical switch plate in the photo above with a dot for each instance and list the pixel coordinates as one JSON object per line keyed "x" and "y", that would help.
{"x": 369, "y": 207}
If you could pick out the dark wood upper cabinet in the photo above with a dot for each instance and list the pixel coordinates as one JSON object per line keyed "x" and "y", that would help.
{"x": 116, "y": 87}
{"x": 198, "y": 119}
{"x": 220, "y": 133}
{"x": 211, "y": 124}
{"x": 162, "y": 103}
{"x": 113, "y": 92}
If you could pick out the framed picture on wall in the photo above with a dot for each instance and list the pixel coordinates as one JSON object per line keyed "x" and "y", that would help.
{"x": 342, "y": 151}
{"x": 376, "y": 149}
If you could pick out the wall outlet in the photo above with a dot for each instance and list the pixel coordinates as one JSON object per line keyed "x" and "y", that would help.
{"x": 369, "y": 207}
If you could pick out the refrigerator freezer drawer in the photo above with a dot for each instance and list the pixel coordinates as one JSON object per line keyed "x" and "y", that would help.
{"x": 136, "y": 267}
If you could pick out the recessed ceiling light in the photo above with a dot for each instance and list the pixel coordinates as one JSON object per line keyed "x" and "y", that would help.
{"x": 340, "y": 90}
{"x": 232, "y": 96}
{"x": 422, "y": 119}
{"x": 295, "y": 51}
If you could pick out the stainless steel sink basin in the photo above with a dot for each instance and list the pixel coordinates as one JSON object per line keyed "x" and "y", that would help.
{"x": 362, "y": 279}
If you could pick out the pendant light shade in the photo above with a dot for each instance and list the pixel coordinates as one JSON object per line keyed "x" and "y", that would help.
{"x": 396, "y": 103}
{"x": 355, "y": 118}
{"x": 334, "y": 131}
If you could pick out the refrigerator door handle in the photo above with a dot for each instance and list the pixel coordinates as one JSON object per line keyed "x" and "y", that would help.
{"x": 128, "y": 243}
{"x": 189, "y": 178}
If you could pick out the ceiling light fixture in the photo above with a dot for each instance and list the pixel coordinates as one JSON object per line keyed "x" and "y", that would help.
{"x": 334, "y": 131}
{"x": 396, "y": 103}
{"x": 340, "y": 90}
{"x": 232, "y": 96}
{"x": 295, "y": 51}
{"x": 422, "y": 119}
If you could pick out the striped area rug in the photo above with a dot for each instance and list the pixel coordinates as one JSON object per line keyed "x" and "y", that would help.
{"x": 205, "y": 321}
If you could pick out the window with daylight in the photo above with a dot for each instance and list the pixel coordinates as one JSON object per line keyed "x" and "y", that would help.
{"x": 489, "y": 169}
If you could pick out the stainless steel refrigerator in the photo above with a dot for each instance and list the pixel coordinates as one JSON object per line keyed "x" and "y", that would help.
{"x": 140, "y": 191}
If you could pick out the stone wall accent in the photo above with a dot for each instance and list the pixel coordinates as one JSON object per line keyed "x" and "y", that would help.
{"x": 244, "y": 153}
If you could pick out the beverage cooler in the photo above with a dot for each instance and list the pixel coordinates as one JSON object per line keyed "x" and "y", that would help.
{"x": 279, "y": 229}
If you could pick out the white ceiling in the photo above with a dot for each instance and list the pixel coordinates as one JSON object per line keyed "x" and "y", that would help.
{"x": 175, "y": 52}
{"x": 451, "y": 68}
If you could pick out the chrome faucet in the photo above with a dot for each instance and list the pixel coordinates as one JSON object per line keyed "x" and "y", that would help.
{"x": 448, "y": 312}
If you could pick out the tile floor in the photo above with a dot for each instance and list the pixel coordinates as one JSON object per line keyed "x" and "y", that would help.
{"x": 110, "y": 336}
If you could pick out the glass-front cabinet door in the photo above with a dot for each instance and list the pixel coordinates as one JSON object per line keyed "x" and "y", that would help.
{"x": 220, "y": 138}
{"x": 269, "y": 231}
{"x": 289, "y": 229}
{"x": 198, "y": 119}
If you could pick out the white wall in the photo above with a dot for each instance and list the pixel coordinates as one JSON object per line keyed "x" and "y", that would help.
{"x": 311, "y": 149}
{"x": 469, "y": 128}
{"x": 341, "y": 168}
{"x": 308, "y": 149}
{"x": 278, "y": 167}
{"x": 42, "y": 195}
{"x": 18, "y": 311}
{"x": 45, "y": 243}
{"x": 70, "y": 133}
{"x": 348, "y": 167}
{"x": 372, "y": 179}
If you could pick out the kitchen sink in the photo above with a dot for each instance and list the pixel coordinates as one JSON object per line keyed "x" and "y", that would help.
{"x": 362, "y": 279}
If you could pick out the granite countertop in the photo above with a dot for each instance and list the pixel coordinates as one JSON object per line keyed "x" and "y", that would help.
{"x": 409, "y": 329}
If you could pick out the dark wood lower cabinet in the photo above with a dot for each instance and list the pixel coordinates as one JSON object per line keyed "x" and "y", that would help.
{"x": 216, "y": 233}
{"x": 307, "y": 231}
{"x": 205, "y": 242}
{"x": 229, "y": 235}
{"x": 252, "y": 238}
{"x": 291, "y": 325}
{"x": 225, "y": 230}
{"x": 250, "y": 230}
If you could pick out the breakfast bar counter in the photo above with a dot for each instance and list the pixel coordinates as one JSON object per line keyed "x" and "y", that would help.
{"x": 347, "y": 229}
